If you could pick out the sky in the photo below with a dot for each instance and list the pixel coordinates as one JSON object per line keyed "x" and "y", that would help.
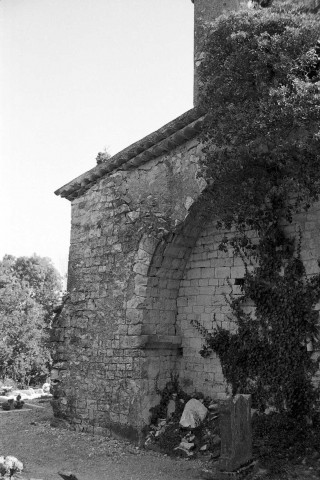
{"x": 78, "y": 77}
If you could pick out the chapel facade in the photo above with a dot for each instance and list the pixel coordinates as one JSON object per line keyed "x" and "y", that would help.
{"x": 144, "y": 263}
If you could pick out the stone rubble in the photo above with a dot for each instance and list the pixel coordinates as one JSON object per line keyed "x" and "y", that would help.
{"x": 67, "y": 475}
{"x": 169, "y": 436}
{"x": 193, "y": 414}
{"x": 171, "y": 408}
{"x": 185, "y": 451}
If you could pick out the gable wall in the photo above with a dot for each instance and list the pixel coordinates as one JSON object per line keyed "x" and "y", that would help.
{"x": 117, "y": 233}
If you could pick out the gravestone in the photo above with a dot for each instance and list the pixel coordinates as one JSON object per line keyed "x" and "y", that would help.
{"x": 236, "y": 439}
{"x": 236, "y": 435}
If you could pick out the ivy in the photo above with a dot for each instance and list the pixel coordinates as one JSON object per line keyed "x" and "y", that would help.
{"x": 260, "y": 86}
{"x": 267, "y": 355}
{"x": 260, "y": 79}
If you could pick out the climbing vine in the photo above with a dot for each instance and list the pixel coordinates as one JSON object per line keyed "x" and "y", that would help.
{"x": 260, "y": 86}
{"x": 268, "y": 354}
{"x": 260, "y": 77}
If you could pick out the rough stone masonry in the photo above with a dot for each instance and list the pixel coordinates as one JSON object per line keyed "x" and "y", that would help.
{"x": 144, "y": 262}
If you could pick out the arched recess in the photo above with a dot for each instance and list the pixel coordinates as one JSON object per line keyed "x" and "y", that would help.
{"x": 152, "y": 311}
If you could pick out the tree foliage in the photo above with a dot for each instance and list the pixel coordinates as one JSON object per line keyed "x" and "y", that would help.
{"x": 42, "y": 279}
{"x": 260, "y": 76}
{"x": 29, "y": 288}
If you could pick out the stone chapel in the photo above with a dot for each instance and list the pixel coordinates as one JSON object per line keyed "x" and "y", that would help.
{"x": 143, "y": 263}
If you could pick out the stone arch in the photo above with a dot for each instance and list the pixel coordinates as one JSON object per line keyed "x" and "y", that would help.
{"x": 158, "y": 265}
{"x": 151, "y": 313}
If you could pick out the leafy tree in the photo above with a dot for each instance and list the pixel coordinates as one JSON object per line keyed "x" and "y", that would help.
{"x": 29, "y": 287}
{"x": 39, "y": 275}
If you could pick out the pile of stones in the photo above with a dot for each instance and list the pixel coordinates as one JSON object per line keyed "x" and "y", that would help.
{"x": 194, "y": 433}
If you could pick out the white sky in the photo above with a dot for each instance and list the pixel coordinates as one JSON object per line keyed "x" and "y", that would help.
{"x": 76, "y": 77}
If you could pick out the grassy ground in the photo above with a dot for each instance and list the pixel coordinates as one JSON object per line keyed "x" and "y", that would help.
{"x": 27, "y": 435}
{"x": 44, "y": 450}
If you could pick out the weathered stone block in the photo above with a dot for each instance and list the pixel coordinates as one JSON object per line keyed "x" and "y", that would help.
{"x": 134, "y": 329}
{"x": 134, "y": 316}
{"x": 135, "y": 341}
{"x": 141, "y": 268}
{"x": 222, "y": 272}
{"x": 238, "y": 272}
{"x": 208, "y": 273}
{"x": 236, "y": 435}
{"x": 135, "y": 302}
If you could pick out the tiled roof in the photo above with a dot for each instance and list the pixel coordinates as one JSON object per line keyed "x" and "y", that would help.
{"x": 157, "y": 143}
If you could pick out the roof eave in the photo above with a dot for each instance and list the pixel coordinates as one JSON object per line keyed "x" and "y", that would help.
{"x": 161, "y": 141}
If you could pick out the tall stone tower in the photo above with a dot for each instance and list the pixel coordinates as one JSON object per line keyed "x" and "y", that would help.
{"x": 205, "y": 11}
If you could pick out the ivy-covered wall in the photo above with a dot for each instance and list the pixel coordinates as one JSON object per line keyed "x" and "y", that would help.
{"x": 145, "y": 263}
{"x": 209, "y": 276}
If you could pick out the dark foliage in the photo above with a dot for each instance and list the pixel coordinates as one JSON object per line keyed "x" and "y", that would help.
{"x": 261, "y": 88}
{"x": 261, "y": 138}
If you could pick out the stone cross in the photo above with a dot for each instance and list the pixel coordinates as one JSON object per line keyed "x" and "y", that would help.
{"x": 236, "y": 434}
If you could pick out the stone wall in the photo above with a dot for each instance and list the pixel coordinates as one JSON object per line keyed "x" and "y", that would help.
{"x": 122, "y": 283}
{"x": 210, "y": 274}
{"x": 207, "y": 279}
{"x": 144, "y": 262}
